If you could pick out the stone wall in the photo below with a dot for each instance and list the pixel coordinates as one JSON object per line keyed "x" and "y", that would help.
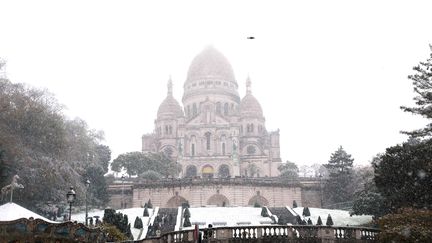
{"x": 217, "y": 192}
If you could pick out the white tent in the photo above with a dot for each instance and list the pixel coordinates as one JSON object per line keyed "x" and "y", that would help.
{"x": 11, "y": 211}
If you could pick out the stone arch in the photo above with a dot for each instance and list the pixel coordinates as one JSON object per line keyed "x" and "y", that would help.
{"x": 175, "y": 201}
{"x": 207, "y": 171}
{"x": 224, "y": 171}
{"x": 191, "y": 171}
{"x": 218, "y": 200}
{"x": 262, "y": 201}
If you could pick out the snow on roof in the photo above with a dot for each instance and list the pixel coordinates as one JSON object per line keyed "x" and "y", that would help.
{"x": 11, "y": 211}
{"x": 340, "y": 217}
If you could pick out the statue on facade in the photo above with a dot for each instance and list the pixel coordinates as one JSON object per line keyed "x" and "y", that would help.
{"x": 9, "y": 188}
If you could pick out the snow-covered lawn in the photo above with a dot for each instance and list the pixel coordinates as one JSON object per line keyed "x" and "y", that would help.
{"x": 226, "y": 216}
{"x": 132, "y": 213}
{"x": 340, "y": 217}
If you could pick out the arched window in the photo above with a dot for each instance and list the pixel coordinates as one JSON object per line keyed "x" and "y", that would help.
{"x": 170, "y": 129}
{"x": 208, "y": 136}
{"x": 223, "y": 171}
{"x": 218, "y": 107}
{"x": 226, "y": 109}
{"x": 188, "y": 111}
{"x": 194, "y": 109}
{"x": 166, "y": 129}
{"x": 191, "y": 171}
{"x": 252, "y": 127}
{"x": 223, "y": 148}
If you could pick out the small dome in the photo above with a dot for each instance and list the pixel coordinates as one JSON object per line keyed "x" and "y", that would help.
{"x": 169, "y": 108}
{"x": 210, "y": 64}
{"x": 250, "y": 107}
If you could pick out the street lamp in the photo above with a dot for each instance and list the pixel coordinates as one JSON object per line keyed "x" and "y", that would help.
{"x": 70, "y": 199}
{"x": 122, "y": 197}
{"x": 87, "y": 184}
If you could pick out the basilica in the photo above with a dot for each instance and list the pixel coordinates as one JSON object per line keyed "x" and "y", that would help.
{"x": 215, "y": 133}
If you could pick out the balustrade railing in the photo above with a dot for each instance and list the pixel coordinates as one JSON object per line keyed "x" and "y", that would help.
{"x": 268, "y": 232}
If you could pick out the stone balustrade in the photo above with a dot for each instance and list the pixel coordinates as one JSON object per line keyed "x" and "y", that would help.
{"x": 272, "y": 233}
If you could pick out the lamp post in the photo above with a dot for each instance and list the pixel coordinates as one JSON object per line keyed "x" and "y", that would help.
{"x": 70, "y": 199}
{"x": 122, "y": 197}
{"x": 87, "y": 184}
{"x": 321, "y": 190}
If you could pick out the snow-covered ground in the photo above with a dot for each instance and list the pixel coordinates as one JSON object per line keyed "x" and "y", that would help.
{"x": 340, "y": 217}
{"x": 226, "y": 216}
{"x": 132, "y": 213}
{"x": 231, "y": 216}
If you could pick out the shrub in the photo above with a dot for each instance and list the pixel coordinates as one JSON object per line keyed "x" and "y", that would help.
{"x": 298, "y": 219}
{"x": 319, "y": 221}
{"x": 149, "y": 204}
{"x": 407, "y": 225}
{"x": 329, "y": 221}
{"x": 306, "y": 211}
{"x": 257, "y": 205}
{"x": 294, "y": 204}
{"x": 138, "y": 224}
{"x": 145, "y": 213}
{"x": 264, "y": 212}
{"x": 186, "y": 222}
{"x": 112, "y": 233}
{"x": 186, "y": 213}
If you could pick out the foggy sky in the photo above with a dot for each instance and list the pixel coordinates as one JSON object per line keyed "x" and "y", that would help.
{"x": 326, "y": 73}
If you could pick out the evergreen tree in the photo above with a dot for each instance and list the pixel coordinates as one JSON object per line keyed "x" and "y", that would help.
{"x": 149, "y": 204}
{"x": 186, "y": 222}
{"x": 309, "y": 222}
{"x": 338, "y": 187}
{"x": 319, "y": 221}
{"x": 294, "y": 204}
{"x": 186, "y": 213}
{"x": 403, "y": 175}
{"x": 298, "y": 220}
{"x": 264, "y": 212}
{"x": 329, "y": 221}
{"x": 306, "y": 211}
{"x": 138, "y": 224}
{"x": 422, "y": 81}
{"x": 145, "y": 213}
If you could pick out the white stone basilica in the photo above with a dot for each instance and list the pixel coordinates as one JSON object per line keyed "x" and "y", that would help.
{"x": 215, "y": 134}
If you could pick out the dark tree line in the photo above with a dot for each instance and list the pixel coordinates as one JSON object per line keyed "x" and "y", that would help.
{"x": 47, "y": 150}
{"x": 400, "y": 194}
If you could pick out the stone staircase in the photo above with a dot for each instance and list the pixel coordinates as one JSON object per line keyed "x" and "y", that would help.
{"x": 284, "y": 213}
{"x": 165, "y": 221}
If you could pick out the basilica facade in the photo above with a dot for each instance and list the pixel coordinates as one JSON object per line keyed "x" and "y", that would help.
{"x": 214, "y": 133}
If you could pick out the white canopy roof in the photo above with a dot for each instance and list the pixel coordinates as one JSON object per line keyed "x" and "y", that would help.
{"x": 11, "y": 211}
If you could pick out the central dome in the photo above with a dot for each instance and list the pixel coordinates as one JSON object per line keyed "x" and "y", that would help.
{"x": 210, "y": 64}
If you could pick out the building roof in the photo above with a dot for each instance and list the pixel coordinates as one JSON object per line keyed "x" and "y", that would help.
{"x": 169, "y": 108}
{"x": 249, "y": 105}
{"x": 11, "y": 211}
{"x": 210, "y": 64}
